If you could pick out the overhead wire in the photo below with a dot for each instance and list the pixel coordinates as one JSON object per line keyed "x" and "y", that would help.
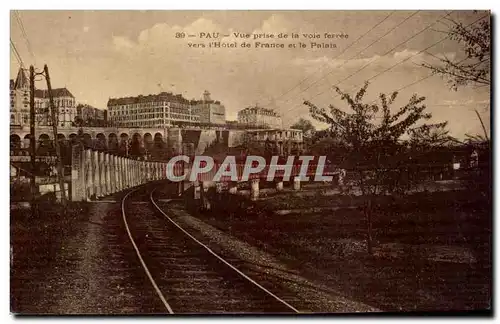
{"x": 349, "y": 46}
{"x": 359, "y": 52}
{"x": 25, "y": 35}
{"x": 16, "y": 54}
{"x": 398, "y": 63}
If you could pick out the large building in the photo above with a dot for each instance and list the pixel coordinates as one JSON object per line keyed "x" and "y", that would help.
{"x": 281, "y": 141}
{"x": 260, "y": 117}
{"x": 19, "y": 100}
{"x": 161, "y": 110}
{"x": 89, "y": 115}
{"x": 64, "y": 102}
{"x": 210, "y": 111}
{"x": 164, "y": 109}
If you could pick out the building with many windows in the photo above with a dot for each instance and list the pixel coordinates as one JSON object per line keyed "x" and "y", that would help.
{"x": 280, "y": 141}
{"x": 210, "y": 111}
{"x": 64, "y": 102}
{"x": 161, "y": 110}
{"x": 19, "y": 100}
{"x": 91, "y": 116}
{"x": 260, "y": 117}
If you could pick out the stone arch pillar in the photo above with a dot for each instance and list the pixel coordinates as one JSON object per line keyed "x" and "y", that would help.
{"x": 138, "y": 167}
{"x": 126, "y": 171}
{"x": 101, "y": 174}
{"x": 143, "y": 170}
{"x": 134, "y": 173}
{"x": 111, "y": 170}
{"x": 122, "y": 173}
{"x": 131, "y": 170}
{"x": 88, "y": 174}
{"x": 110, "y": 174}
{"x": 115, "y": 173}
{"x": 107, "y": 173}
{"x": 97, "y": 187}
{"x": 118, "y": 174}
{"x": 140, "y": 172}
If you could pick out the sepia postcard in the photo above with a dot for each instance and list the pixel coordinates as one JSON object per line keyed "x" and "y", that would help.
{"x": 250, "y": 162}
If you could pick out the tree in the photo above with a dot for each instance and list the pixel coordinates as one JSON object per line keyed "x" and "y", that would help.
{"x": 372, "y": 138}
{"x": 305, "y": 126}
{"x": 475, "y": 67}
{"x": 78, "y": 121}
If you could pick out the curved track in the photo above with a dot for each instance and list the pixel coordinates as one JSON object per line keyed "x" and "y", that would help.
{"x": 187, "y": 275}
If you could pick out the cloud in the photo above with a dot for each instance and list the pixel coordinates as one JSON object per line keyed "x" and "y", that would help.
{"x": 464, "y": 102}
{"x": 121, "y": 43}
{"x": 275, "y": 24}
{"x": 401, "y": 58}
{"x": 240, "y": 76}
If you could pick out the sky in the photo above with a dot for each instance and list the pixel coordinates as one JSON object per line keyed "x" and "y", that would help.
{"x": 99, "y": 55}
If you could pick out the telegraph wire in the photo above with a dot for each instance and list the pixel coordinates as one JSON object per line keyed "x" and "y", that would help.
{"x": 385, "y": 71}
{"x": 25, "y": 36}
{"x": 392, "y": 49}
{"x": 318, "y": 70}
{"x": 371, "y": 44}
{"x": 16, "y": 54}
{"x": 413, "y": 83}
{"x": 402, "y": 61}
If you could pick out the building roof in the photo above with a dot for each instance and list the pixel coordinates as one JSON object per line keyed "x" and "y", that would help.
{"x": 275, "y": 130}
{"x": 59, "y": 92}
{"x": 21, "y": 80}
{"x": 196, "y": 102}
{"x": 259, "y": 110}
{"x": 162, "y": 96}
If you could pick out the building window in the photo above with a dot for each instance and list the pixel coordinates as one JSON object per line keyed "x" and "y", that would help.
{"x": 12, "y": 118}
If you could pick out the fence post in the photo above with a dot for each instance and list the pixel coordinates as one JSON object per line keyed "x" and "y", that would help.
{"x": 279, "y": 184}
{"x": 254, "y": 189}
{"x": 296, "y": 183}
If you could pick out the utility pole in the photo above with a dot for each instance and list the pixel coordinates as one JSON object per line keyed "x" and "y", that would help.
{"x": 32, "y": 138}
{"x": 60, "y": 171}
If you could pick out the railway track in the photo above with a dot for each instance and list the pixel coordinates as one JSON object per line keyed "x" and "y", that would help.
{"x": 187, "y": 275}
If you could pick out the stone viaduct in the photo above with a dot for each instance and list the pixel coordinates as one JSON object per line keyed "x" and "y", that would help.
{"x": 103, "y": 138}
{"x": 97, "y": 174}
